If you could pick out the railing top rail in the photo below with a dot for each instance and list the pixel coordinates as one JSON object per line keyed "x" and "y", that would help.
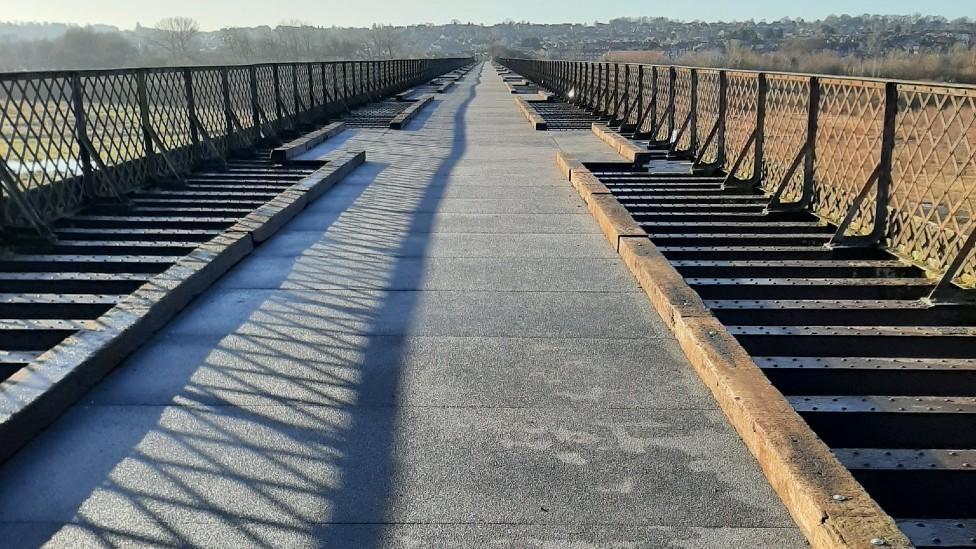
{"x": 62, "y": 73}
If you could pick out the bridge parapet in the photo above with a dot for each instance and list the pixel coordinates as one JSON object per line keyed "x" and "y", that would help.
{"x": 70, "y": 137}
{"x": 890, "y": 162}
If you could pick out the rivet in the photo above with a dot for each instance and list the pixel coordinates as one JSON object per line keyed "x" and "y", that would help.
{"x": 838, "y": 497}
{"x": 878, "y": 541}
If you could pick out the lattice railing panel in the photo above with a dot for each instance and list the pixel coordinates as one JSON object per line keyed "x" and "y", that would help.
{"x": 743, "y": 97}
{"x": 330, "y": 82}
{"x": 933, "y": 192}
{"x": 239, "y": 92}
{"x": 38, "y": 144}
{"x": 286, "y": 83}
{"x": 931, "y": 131}
{"x": 708, "y": 110}
{"x": 315, "y": 81}
{"x": 304, "y": 84}
{"x": 662, "y": 128}
{"x": 848, "y": 148}
{"x": 69, "y": 136}
{"x": 633, "y": 93}
{"x": 619, "y": 78}
{"x": 346, "y": 74}
{"x": 208, "y": 100}
{"x": 114, "y": 128}
{"x": 682, "y": 106}
{"x": 168, "y": 114}
{"x": 265, "y": 87}
{"x": 785, "y": 128}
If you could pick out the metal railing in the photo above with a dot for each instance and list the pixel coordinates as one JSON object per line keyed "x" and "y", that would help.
{"x": 890, "y": 162}
{"x": 67, "y": 137}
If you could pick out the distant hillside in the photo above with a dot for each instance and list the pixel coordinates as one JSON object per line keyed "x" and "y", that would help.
{"x": 856, "y": 41}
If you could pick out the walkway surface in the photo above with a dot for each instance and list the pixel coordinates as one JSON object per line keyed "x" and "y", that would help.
{"x": 442, "y": 351}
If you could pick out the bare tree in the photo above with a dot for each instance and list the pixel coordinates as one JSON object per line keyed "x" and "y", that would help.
{"x": 176, "y": 35}
{"x": 383, "y": 42}
{"x": 296, "y": 40}
{"x": 238, "y": 42}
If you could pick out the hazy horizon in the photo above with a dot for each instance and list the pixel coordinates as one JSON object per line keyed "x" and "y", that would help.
{"x": 216, "y": 14}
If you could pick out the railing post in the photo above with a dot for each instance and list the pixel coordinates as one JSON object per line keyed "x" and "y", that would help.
{"x": 624, "y": 109}
{"x": 345, "y": 80}
{"x": 672, "y": 77}
{"x": 191, "y": 109}
{"x": 81, "y": 132}
{"x": 652, "y": 107}
{"x": 279, "y": 107}
{"x": 325, "y": 86}
{"x": 225, "y": 95}
{"x": 335, "y": 82}
{"x": 297, "y": 99}
{"x": 639, "y": 99}
{"x": 311, "y": 87}
{"x": 604, "y": 88}
{"x": 142, "y": 95}
{"x": 252, "y": 73}
{"x": 693, "y": 113}
{"x": 576, "y": 81}
{"x": 723, "y": 110}
{"x": 762, "y": 89}
{"x": 887, "y": 155}
{"x": 813, "y": 123}
{"x": 616, "y": 93}
{"x": 584, "y": 84}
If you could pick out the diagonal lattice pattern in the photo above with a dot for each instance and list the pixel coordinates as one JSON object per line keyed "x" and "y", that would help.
{"x": 848, "y": 147}
{"x": 115, "y": 129}
{"x": 38, "y": 143}
{"x": 708, "y": 110}
{"x": 787, "y": 104}
{"x": 933, "y": 194}
{"x": 682, "y": 107}
{"x": 743, "y": 92}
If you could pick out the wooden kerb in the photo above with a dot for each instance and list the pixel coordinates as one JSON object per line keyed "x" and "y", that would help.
{"x": 624, "y": 147}
{"x": 306, "y": 142}
{"x": 406, "y": 114}
{"x": 534, "y": 118}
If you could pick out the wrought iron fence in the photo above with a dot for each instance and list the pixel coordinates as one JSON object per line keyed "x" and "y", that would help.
{"x": 67, "y": 137}
{"x": 889, "y": 162}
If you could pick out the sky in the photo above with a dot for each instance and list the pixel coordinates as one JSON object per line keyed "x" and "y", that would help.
{"x": 214, "y": 14}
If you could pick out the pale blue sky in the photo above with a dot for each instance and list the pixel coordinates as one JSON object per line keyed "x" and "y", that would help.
{"x": 214, "y": 14}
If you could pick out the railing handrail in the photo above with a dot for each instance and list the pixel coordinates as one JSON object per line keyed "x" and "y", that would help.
{"x": 48, "y": 73}
{"x": 852, "y": 78}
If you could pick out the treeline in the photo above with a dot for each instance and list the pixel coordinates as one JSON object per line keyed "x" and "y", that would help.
{"x": 179, "y": 41}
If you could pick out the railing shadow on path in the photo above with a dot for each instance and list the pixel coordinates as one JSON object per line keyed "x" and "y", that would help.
{"x": 266, "y": 413}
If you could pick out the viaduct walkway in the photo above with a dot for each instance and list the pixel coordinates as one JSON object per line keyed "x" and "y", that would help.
{"x": 443, "y": 350}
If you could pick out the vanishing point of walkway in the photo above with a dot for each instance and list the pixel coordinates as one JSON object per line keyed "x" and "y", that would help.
{"x": 443, "y": 351}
